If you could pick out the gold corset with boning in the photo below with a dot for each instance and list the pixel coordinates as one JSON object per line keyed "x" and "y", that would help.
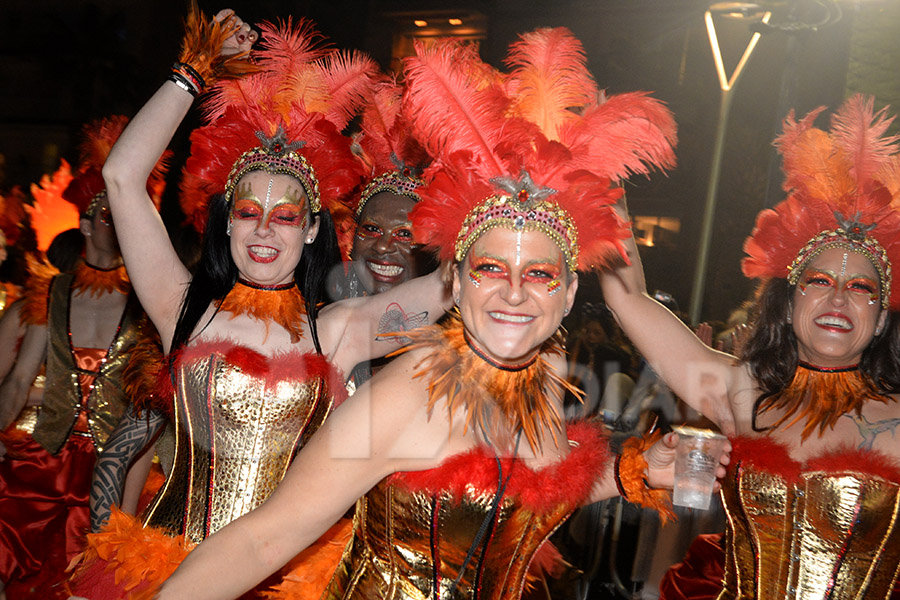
{"x": 411, "y": 533}
{"x": 240, "y": 418}
{"x": 827, "y": 529}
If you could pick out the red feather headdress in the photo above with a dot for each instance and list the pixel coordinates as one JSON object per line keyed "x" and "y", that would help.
{"x": 540, "y": 148}
{"x": 843, "y": 191}
{"x": 392, "y": 158}
{"x": 396, "y": 156}
{"x": 284, "y": 118}
{"x": 87, "y": 188}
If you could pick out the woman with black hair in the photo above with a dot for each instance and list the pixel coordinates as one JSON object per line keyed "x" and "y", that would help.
{"x": 813, "y": 492}
{"x": 255, "y": 364}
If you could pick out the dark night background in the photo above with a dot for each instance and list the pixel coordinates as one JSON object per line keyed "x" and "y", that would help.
{"x": 64, "y": 63}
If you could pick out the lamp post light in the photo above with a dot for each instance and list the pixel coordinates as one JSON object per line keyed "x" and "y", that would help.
{"x": 734, "y": 10}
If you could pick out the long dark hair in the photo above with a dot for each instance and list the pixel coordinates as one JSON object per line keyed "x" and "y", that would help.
{"x": 771, "y": 348}
{"x": 216, "y": 272}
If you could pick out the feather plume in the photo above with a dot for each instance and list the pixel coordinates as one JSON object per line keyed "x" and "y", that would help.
{"x": 549, "y": 79}
{"x": 379, "y": 116}
{"x": 349, "y": 77}
{"x": 624, "y": 135}
{"x": 450, "y": 109}
{"x": 860, "y": 135}
{"x": 98, "y": 138}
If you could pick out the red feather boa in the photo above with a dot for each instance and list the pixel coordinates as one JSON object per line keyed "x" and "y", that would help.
{"x": 567, "y": 482}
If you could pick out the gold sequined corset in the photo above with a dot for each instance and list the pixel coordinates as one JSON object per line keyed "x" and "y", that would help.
{"x": 825, "y": 529}
{"x": 240, "y": 418}
{"x": 411, "y": 533}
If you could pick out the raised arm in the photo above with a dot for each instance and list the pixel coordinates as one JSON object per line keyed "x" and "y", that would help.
{"x": 158, "y": 275}
{"x": 132, "y": 435}
{"x": 351, "y": 329}
{"x": 704, "y": 378}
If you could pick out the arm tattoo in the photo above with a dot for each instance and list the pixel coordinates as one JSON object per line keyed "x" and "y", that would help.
{"x": 395, "y": 319}
{"x": 130, "y": 437}
{"x": 869, "y": 431}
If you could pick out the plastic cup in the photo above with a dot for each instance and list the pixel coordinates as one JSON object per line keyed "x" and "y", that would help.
{"x": 696, "y": 460}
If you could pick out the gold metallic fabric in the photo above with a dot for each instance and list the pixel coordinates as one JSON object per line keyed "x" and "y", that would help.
{"x": 413, "y": 531}
{"x": 63, "y": 399}
{"x": 827, "y": 535}
{"x": 235, "y": 436}
{"x": 400, "y": 536}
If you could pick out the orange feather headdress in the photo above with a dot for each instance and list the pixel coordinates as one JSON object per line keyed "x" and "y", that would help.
{"x": 284, "y": 118}
{"x": 87, "y": 187}
{"x": 540, "y": 148}
{"x": 843, "y": 191}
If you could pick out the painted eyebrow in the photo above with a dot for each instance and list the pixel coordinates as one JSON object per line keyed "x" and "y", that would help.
{"x": 532, "y": 262}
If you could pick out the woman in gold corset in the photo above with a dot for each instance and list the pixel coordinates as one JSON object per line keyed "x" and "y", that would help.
{"x": 255, "y": 365}
{"x": 456, "y": 451}
{"x": 813, "y": 491}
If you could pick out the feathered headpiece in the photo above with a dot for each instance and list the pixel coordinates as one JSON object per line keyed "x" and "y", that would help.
{"x": 843, "y": 191}
{"x": 50, "y": 213}
{"x": 87, "y": 188}
{"x": 12, "y": 215}
{"x": 538, "y": 149}
{"x": 284, "y": 118}
{"x": 392, "y": 158}
{"x": 396, "y": 157}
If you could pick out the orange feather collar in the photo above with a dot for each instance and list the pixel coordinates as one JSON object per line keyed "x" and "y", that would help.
{"x": 819, "y": 397}
{"x": 463, "y": 379}
{"x": 96, "y": 281}
{"x": 282, "y": 304}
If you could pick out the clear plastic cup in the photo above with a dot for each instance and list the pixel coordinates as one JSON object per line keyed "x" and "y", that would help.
{"x": 696, "y": 460}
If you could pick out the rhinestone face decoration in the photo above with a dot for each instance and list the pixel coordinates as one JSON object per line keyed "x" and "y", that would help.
{"x": 276, "y": 155}
{"x": 851, "y": 235}
{"x": 523, "y": 208}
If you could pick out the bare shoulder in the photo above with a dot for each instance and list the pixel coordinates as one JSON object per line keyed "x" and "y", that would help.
{"x": 743, "y": 392}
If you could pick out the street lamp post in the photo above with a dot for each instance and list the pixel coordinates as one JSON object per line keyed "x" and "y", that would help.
{"x": 742, "y": 10}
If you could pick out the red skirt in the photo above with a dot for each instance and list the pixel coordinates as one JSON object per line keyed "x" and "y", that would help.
{"x": 44, "y": 513}
{"x": 128, "y": 560}
{"x": 701, "y": 575}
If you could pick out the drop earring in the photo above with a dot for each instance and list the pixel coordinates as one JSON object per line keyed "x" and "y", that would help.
{"x": 229, "y": 226}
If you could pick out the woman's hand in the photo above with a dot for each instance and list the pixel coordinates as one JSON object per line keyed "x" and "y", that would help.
{"x": 660, "y": 459}
{"x": 243, "y": 36}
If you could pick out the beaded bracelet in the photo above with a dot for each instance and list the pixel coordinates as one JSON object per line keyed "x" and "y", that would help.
{"x": 630, "y": 474}
{"x": 186, "y": 77}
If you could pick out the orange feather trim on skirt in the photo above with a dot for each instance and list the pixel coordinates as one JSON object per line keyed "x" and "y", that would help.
{"x": 128, "y": 560}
